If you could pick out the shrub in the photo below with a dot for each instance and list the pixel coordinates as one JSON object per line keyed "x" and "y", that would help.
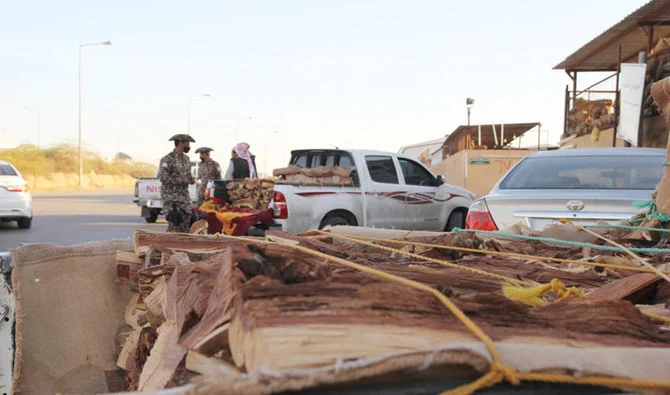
{"x": 32, "y": 162}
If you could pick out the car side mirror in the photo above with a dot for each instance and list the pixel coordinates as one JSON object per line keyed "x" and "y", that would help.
{"x": 440, "y": 180}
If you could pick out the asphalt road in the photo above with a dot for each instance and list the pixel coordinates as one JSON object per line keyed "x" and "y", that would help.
{"x": 75, "y": 217}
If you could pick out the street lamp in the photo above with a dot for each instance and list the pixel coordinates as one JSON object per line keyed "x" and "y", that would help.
{"x": 37, "y": 110}
{"x": 237, "y": 127}
{"x": 265, "y": 170}
{"x": 81, "y": 162}
{"x": 469, "y": 102}
{"x": 188, "y": 130}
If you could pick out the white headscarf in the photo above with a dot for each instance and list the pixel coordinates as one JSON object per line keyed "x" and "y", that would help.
{"x": 242, "y": 151}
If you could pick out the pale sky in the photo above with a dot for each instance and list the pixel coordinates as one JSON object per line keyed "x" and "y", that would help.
{"x": 352, "y": 74}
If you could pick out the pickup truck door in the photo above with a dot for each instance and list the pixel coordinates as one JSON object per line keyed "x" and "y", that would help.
{"x": 422, "y": 210}
{"x": 385, "y": 196}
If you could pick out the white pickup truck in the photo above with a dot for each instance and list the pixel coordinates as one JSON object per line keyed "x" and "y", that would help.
{"x": 148, "y": 195}
{"x": 387, "y": 190}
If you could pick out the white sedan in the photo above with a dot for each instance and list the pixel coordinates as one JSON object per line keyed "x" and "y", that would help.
{"x": 16, "y": 203}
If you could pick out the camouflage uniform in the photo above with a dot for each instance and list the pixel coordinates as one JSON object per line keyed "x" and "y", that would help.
{"x": 207, "y": 171}
{"x": 174, "y": 192}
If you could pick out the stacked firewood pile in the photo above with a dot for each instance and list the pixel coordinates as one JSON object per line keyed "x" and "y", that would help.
{"x": 252, "y": 193}
{"x": 587, "y": 116}
{"x": 234, "y": 308}
{"x": 316, "y": 175}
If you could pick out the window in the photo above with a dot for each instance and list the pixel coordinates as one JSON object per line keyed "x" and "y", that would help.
{"x": 345, "y": 161}
{"x": 415, "y": 174}
{"x": 586, "y": 172}
{"x": 316, "y": 160}
{"x": 7, "y": 170}
{"x": 307, "y": 159}
{"x": 382, "y": 169}
{"x": 300, "y": 161}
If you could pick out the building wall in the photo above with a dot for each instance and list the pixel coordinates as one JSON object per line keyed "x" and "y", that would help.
{"x": 586, "y": 141}
{"x": 478, "y": 170}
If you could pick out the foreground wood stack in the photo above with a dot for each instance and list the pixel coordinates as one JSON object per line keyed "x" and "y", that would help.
{"x": 316, "y": 175}
{"x": 222, "y": 307}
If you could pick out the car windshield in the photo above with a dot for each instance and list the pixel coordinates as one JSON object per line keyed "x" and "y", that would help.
{"x": 7, "y": 170}
{"x": 586, "y": 172}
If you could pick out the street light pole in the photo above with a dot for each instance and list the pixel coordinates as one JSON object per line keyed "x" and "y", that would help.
{"x": 188, "y": 129}
{"x": 265, "y": 170}
{"x": 469, "y": 102}
{"x": 38, "y": 122}
{"x": 237, "y": 127}
{"x": 81, "y": 161}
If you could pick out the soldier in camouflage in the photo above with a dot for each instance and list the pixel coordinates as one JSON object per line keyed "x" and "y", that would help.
{"x": 209, "y": 170}
{"x": 175, "y": 176}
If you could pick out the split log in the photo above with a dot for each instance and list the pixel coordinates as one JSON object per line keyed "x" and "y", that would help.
{"x": 147, "y": 338}
{"x": 214, "y": 342}
{"x": 127, "y": 268}
{"x": 156, "y": 302}
{"x": 134, "y": 315}
{"x": 149, "y": 276}
{"x": 175, "y": 289}
{"x": 162, "y": 241}
{"x": 208, "y": 366}
{"x": 317, "y": 323}
{"x": 199, "y": 227}
{"x": 166, "y": 355}
{"x": 638, "y": 289}
{"x": 127, "y": 358}
{"x": 193, "y": 300}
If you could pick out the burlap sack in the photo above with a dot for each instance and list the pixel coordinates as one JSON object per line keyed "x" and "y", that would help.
{"x": 69, "y": 318}
{"x": 661, "y": 92}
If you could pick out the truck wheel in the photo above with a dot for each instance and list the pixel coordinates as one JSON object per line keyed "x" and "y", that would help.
{"x": 153, "y": 216}
{"x": 333, "y": 220}
{"x": 456, "y": 220}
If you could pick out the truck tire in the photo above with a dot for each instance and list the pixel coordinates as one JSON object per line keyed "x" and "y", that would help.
{"x": 153, "y": 216}
{"x": 333, "y": 220}
{"x": 456, "y": 220}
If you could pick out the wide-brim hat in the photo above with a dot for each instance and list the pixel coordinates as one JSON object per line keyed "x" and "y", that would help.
{"x": 182, "y": 137}
{"x": 203, "y": 150}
